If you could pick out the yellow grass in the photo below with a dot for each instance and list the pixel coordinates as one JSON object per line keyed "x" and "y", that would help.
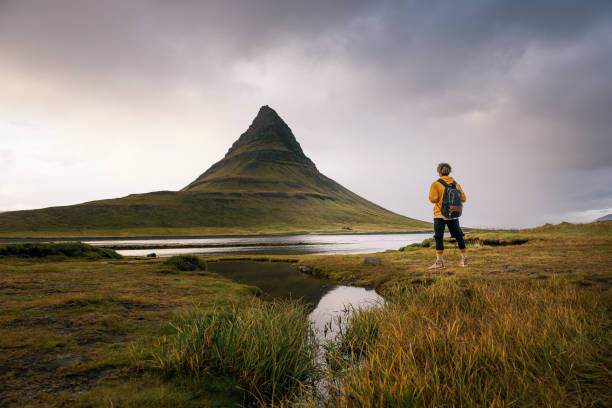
{"x": 479, "y": 343}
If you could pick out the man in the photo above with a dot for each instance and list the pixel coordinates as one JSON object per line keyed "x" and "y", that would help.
{"x": 436, "y": 194}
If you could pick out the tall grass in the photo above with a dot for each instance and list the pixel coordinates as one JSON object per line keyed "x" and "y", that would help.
{"x": 478, "y": 343}
{"x": 359, "y": 330}
{"x": 497, "y": 343}
{"x": 268, "y": 348}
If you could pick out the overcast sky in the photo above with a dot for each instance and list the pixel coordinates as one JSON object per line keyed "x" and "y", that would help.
{"x": 100, "y": 99}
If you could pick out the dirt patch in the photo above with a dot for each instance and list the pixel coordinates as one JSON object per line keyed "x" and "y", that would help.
{"x": 105, "y": 302}
{"x": 165, "y": 272}
{"x": 38, "y": 321}
{"x": 596, "y": 281}
{"x": 424, "y": 282}
{"x": 32, "y": 389}
{"x": 89, "y": 337}
{"x": 51, "y": 362}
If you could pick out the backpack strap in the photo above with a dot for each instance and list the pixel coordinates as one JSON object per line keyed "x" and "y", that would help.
{"x": 453, "y": 184}
{"x": 442, "y": 182}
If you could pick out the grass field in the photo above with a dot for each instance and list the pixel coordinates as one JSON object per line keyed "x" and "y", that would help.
{"x": 526, "y": 324}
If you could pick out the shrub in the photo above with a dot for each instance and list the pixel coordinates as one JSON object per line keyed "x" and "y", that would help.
{"x": 426, "y": 243}
{"x": 268, "y": 348}
{"x": 186, "y": 263}
{"x": 475, "y": 240}
{"x": 57, "y": 251}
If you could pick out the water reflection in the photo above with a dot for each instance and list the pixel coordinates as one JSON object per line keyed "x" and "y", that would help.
{"x": 282, "y": 280}
{"x": 275, "y": 279}
{"x": 333, "y": 306}
{"x": 265, "y": 245}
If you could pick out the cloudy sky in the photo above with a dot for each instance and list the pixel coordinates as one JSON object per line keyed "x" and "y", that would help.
{"x": 101, "y": 99}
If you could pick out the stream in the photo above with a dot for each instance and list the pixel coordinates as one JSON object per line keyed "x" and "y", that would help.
{"x": 282, "y": 280}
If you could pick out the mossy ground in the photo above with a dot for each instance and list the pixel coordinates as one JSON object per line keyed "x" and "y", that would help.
{"x": 577, "y": 254}
{"x": 67, "y": 326}
{"x": 66, "y": 329}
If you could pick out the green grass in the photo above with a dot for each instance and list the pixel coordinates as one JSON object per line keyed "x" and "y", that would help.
{"x": 268, "y": 348}
{"x": 186, "y": 263}
{"x": 354, "y": 339}
{"x": 471, "y": 240}
{"x": 61, "y": 250}
{"x": 66, "y": 326}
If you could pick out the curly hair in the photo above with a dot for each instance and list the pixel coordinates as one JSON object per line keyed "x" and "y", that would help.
{"x": 444, "y": 169}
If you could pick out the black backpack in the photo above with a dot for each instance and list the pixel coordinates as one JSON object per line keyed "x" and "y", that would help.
{"x": 452, "y": 203}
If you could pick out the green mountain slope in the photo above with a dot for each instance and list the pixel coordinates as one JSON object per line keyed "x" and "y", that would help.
{"x": 264, "y": 184}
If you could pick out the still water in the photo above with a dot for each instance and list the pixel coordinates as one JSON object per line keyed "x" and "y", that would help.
{"x": 262, "y": 245}
{"x": 282, "y": 280}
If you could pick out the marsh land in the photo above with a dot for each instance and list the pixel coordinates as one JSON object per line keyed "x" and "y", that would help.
{"x": 527, "y": 324}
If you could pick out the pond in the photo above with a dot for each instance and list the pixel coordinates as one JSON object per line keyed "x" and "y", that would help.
{"x": 282, "y": 280}
{"x": 260, "y": 245}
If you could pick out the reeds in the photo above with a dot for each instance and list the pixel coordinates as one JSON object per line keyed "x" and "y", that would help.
{"x": 360, "y": 330}
{"x": 268, "y": 348}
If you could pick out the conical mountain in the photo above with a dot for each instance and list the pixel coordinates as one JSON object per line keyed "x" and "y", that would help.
{"x": 264, "y": 184}
{"x": 268, "y": 159}
{"x": 266, "y": 156}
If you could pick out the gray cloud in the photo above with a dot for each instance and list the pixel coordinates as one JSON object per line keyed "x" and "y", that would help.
{"x": 519, "y": 87}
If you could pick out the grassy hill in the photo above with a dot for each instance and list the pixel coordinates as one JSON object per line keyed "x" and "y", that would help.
{"x": 264, "y": 184}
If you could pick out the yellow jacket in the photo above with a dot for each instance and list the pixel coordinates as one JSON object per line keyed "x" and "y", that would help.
{"x": 436, "y": 194}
